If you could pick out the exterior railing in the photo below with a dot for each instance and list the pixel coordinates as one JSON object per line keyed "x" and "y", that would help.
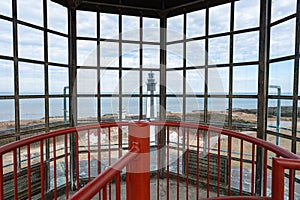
{"x": 184, "y": 160}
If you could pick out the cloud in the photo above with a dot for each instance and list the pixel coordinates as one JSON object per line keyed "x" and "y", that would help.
{"x": 218, "y": 50}
{"x": 6, "y": 40}
{"x": 57, "y": 48}
{"x": 86, "y": 24}
{"x": 246, "y": 14}
{"x": 58, "y": 22}
{"x": 195, "y": 24}
{"x": 109, "y": 26}
{"x": 30, "y": 11}
{"x": 282, "y": 9}
{"x": 246, "y": 47}
{"x": 31, "y": 43}
{"x": 5, "y": 8}
{"x": 219, "y": 19}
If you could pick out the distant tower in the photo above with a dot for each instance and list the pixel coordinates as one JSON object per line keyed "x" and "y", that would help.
{"x": 151, "y": 103}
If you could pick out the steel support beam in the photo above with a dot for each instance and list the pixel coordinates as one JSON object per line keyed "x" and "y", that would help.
{"x": 264, "y": 47}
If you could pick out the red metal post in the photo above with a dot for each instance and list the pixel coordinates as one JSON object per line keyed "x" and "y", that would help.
{"x": 138, "y": 170}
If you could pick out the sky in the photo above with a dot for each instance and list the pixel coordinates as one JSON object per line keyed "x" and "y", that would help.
{"x": 31, "y": 46}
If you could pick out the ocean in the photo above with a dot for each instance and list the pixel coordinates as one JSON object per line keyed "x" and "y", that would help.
{"x": 32, "y": 109}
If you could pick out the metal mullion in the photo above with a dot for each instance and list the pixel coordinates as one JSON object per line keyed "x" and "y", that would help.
{"x": 141, "y": 69}
{"x": 16, "y": 76}
{"x": 206, "y": 66}
{"x": 98, "y": 69}
{"x": 120, "y": 68}
{"x": 296, "y": 81}
{"x": 46, "y": 76}
{"x": 184, "y": 70}
{"x": 264, "y": 46}
{"x": 231, "y": 65}
{"x": 6, "y": 57}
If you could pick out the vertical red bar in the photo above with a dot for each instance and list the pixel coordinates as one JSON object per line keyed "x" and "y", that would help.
{"x": 241, "y": 166}
{"x": 277, "y": 180}
{"x": 291, "y": 183}
{"x": 219, "y": 164}
{"x": 168, "y": 162}
{"x": 54, "y": 167}
{"x": 29, "y": 171}
{"x": 118, "y": 177}
{"x": 229, "y": 164}
{"x": 109, "y": 160}
{"x": 187, "y": 165}
{"x": 67, "y": 166}
{"x": 42, "y": 170}
{"x": 77, "y": 160}
{"x": 99, "y": 155}
{"x": 158, "y": 166}
{"x": 208, "y": 164}
{"x": 265, "y": 172}
{"x": 15, "y": 175}
{"x": 104, "y": 193}
{"x": 138, "y": 170}
{"x": 89, "y": 157}
{"x": 198, "y": 164}
{"x": 252, "y": 170}
{"x": 178, "y": 177}
{"x": 1, "y": 178}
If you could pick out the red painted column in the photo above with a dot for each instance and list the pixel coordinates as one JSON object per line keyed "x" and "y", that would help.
{"x": 138, "y": 170}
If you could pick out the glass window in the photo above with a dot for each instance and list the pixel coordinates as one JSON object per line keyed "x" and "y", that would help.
{"x": 175, "y": 28}
{"x": 58, "y": 79}
{"x": 218, "y": 50}
{"x": 195, "y": 80}
{"x": 245, "y": 80}
{"x": 31, "y": 43}
{"x": 130, "y": 82}
{"x": 58, "y": 22}
{"x": 30, "y": 11}
{"x": 281, "y": 9}
{"x": 87, "y": 108}
{"x": 109, "y": 26}
{"x": 284, "y": 124}
{"x": 218, "y": 80}
{"x": 217, "y": 110}
{"x": 57, "y": 109}
{"x": 151, "y": 29}
{"x": 86, "y": 53}
{"x": 246, "y": 47}
{"x": 5, "y": 8}
{"x": 244, "y": 111}
{"x": 219, "y": 19}
{"x": 6, "y": 38}
{"x": 174, "y": 82}
{"x": 174, "y": 105}
{"x": 195, "y": 53}
{"x": 109, "y": 81}
{"x": 175, "y": 55}
{"x": 281, "y": 74}
{"x": 87, "y": 81}
{"x": 57, "y": 48}
{"x": 86, "y": 24}
{"x": 194, "y": 109}
{"x": 130, "y": 55}
{"x": 109, "y": 108}
{"x": 195, "y": 25}
{"x": 31, "y": 79}
{"x": 7, "y": 113}
{"x": 246, "y": 14}
{"x": 131, "y": 105}
{"x": 283, "y": 39}
{"x": 32, "y": 109}
{"x": 130, "y": 28}
{"x": 6, "y": 77}
{"x": 151, "y": 56}
{"x": 109, "y": 54}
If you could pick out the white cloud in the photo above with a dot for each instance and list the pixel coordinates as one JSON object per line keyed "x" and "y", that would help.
{"x": 246, "y": 14}
{"x": 57, "y": 17}
{"x": 218, "y": 50}
{"x": 246, "y": 47}
{"x": 30, "y": 11}
{"x": 86, "y": 24}
{"x": 109, "y": 26}
{"x": 5, "y": 7}
{"x": 219, "y": 19}
{"x": 281, "y": 9}
{"x": 6, "y": 40}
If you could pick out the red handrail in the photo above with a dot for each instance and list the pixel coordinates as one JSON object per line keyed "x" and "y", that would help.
{"x": 94, "y": 186}
{"x": 279, "y": 165}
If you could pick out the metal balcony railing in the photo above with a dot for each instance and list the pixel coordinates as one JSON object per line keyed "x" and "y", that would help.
{"x": 146, "y": 160}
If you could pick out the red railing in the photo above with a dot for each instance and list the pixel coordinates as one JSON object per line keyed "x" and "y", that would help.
{"x": 187, "y": 161}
